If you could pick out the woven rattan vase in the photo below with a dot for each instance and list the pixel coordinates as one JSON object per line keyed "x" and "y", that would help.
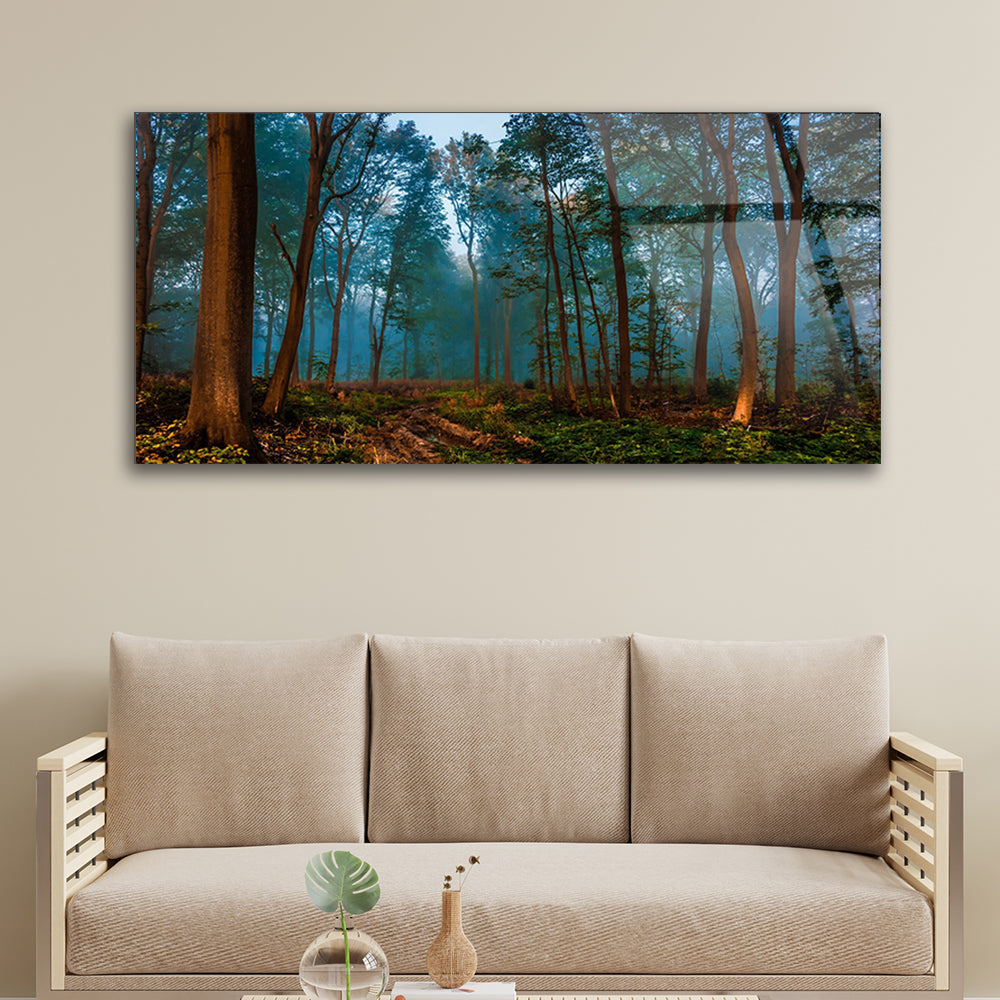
{"x": 451, "y": 959}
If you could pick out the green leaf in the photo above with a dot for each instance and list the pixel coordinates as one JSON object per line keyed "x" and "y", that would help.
{"x": 338, "y": 878}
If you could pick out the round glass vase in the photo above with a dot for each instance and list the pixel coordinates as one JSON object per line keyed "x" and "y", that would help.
{"x": 323, "y": 969}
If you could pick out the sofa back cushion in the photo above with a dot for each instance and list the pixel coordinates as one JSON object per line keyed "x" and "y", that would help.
{"x": 219, "y": 744}
{"x": 499, "y": 740}
{"x": 781, "y": 743}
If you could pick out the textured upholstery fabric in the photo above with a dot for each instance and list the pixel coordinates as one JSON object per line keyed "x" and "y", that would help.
{"x": 499, "y": 739}
{"x": 571, "y": 909}
{"x": 231, "y": 743}
{"x": 761, "y": 743}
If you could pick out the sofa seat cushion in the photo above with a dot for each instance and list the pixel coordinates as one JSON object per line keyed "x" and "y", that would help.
{"x": 539, "y": 908}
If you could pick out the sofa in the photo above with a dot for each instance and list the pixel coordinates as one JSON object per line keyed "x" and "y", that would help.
{"x": 652, "y": 815}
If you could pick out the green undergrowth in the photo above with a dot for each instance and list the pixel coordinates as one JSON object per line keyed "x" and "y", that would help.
{"x": 561, "y": 437}
{"x": 317, "y": 428}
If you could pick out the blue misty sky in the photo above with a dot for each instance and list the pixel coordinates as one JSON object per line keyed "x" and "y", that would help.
{"x": 444, "y": 125}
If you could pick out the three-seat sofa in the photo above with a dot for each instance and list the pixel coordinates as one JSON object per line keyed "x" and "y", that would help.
{"x": 651, "y": 815}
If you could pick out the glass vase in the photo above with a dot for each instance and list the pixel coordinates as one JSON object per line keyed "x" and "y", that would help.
{"x": 323, "y": 969}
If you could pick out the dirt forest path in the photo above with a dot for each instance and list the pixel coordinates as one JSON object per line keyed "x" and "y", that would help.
{"x": 416, "y": 434}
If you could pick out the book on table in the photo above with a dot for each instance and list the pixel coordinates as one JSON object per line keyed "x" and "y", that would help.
{"x": 470, "y": 991}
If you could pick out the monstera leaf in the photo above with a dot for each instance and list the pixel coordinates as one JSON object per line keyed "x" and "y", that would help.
{"x": 338, "y": 878}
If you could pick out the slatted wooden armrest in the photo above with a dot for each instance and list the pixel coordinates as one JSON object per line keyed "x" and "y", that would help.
{"x": 926, "y": 754}
{"x": 70, "y": 791}
{"x": 925, "y": 847}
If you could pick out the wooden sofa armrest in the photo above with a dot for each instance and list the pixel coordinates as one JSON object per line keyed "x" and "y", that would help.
{"x": 70, "y": 804}
{"x": 926, "y": 754}
{"x": 925, "y": 831}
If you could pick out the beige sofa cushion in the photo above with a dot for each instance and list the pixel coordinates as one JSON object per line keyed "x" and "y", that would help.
{"x": 230, "y": 743}
{"x": 761, "y": 743}
{"x": 499, "y": 739}
{"x": 560, "y": 909}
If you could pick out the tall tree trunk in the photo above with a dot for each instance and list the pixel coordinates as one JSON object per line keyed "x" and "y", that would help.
{"x": 788, "y": 247}
{"x": 321, "y": 142}
{"x": 343, "y": 267}
{"x": 651, "y": 368}
{"x": 312, "y": 331}
{"x": 508, "y": 304}
{"x": 269, "y": 309}
{"x": 581, "y": 348}
{"x": 475, "y": 320}
{"x": 540, "y": 354}
{"x": 700, "y": 379}
{"x": 743, "y": 410}
{"x": 219, "y": 412}
{"x": 557, "y": 282}
{"x": 145, "y": 147}
{"x": 852, "y": 316}
{"x": 621, "y": 278}
{"x": 352, "y": 319}
{"x": 598, "y": 322}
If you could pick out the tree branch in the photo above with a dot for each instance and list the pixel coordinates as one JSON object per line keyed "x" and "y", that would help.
{"x": 284, "y": 250}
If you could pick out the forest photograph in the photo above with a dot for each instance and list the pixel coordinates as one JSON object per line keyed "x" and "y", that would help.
{"x": 523, "y": 288}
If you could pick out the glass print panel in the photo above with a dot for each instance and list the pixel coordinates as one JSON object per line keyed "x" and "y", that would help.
{"x": 454, "y": 288}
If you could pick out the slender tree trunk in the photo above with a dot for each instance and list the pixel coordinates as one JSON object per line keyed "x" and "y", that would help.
{"x": 508, "y": 304}
{"x": 581, "y": 347}
{"x": 700, "y": 383}
{"x": 179, "y": 155}
{"x": 496, "y": 344}
{"x": 744, "y": 298}
{"x": 540, "y": 354}
{"x": 700, "y": 379}
{"x": 602, "y": 339}
{"x": 621, "y": 278}
{"x": 651, "y": 329}
{"x": 312, "y": 331}
{"x": 352, "y": 320}
{"x": 371, "y": 329}
{"x": 219, "y": 412}
{"x": 145, "y": 145}
{"x": 557, "y": 282}
{"x": 343, "y": 268}
{"x": 855, "y": 345}
{"x": 475, "y": 321}
{"x": 269, "y": 309}
{"x": 852, "y": 316}
{"x": 788, "y": 238}
{"x": 321, "y": 141}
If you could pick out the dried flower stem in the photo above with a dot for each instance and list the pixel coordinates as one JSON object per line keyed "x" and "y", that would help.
{"x": 462, "y": 872}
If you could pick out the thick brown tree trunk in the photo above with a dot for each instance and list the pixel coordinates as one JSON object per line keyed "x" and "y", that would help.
{"x": 621, "y": 278}
{"x": 743, "y": 410}
{"x": 321, "y": 142}
{"x": 219, "y": 412}
{"x": 145, "y": 149}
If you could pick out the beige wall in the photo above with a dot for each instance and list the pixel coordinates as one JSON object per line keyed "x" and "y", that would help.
{"x": 92, "y": 544}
